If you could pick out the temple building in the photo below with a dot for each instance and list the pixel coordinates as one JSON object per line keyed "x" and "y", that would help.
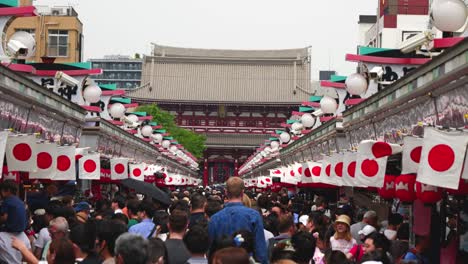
{"x": 237, "y": 98}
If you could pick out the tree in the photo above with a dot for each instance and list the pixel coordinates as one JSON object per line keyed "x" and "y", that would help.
{"x": 192, "y": 142}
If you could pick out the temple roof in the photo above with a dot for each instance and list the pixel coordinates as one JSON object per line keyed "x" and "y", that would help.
{"x": 225, "y": 76}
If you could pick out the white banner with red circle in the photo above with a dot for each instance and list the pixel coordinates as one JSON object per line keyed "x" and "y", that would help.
{"x": 21, "y": 153}
{"x": 315, "y": 169}
{"x": 442, "y": 158}
{"x": 349, "y": 169}
{"x": 136, "y": 171}
{"x": 3, "y": 141}
{"x": 370, "y": 171}
{"x": 412, "y": 148}
{"x": 337, "y": 169}
{"x": 65, "y": 164}
{"x": 46, "y": 161}
{"x": 119, "y": 168}
{"x": 89, "y": 167}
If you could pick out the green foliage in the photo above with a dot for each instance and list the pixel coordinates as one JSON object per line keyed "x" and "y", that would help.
{"x": 192, "y": 142}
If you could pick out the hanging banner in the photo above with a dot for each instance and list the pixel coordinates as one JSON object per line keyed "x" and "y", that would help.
{"x": 337, "y": 169}
{"x": 46, "y": 160}
{"x": 442, "y": 158}
{"x": 412, "y": 148}
{"x": 349, "y": 168}
{"x": 65, "y": 164}
{"x": 325, "y": 175}
{"x": 89, "y": 167}
{"x": 378, "y": 149}
{"x": 3, "y": 141}
{"x": 119, "y": 168}
{"x": 136, "y": 171}
{"x": 21, "y": 153}
{"x": 315, "y": 169}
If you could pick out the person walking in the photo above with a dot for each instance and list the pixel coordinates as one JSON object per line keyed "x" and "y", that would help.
{"x": 235, "y": 216}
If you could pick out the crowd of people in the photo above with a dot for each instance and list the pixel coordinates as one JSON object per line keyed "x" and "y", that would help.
{"x": 226, "y": 226}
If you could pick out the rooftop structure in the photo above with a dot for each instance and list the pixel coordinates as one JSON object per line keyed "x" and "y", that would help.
{"x": 123, "y": 71}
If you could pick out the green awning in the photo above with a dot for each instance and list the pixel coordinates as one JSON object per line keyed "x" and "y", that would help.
{"x": 162, "y": 131}
{"x": 122, "y": 100}
{"x": 364, "y": 50}
{"x": 111, "y": 86}
{"x": 153, "y": 123}
{"x": 305, "y": 109}
{"x": 289, "y": 121}
{"x": 83, "y": 65}
{"x": 338, "y": 78}
{"x": 279, "y": 131}
{"x": 314, "y": 98}
{"x": 168, "y": 138}
{"x": 12, "y": 3}
{"x": 273, "y": 139}
{"x": 137, "y": 113}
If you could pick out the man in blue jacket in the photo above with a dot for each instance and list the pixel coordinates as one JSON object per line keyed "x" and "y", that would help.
{"x": 235, "y": 216}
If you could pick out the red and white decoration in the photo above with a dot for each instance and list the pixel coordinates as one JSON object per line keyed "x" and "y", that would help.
{"x": 315, "y": 169}
{"x": 46, "y": 160}
{"x": 292, "y": 175}
{"x": 412, "y": 148}
{"x": 306, "y": 176}
{"x": 119, "y": 168}
{"x": 89, "y": 167}
{"x": 3, "y": 141}
{"x": 442, "y": 158}
{"x": 465, "y": 167}
{"x": 337, "y": 169}
{"x": 136, "y": 171}
{"x": 349, "y": 168}
{"x": 378, "y": 149}
{"x": 388, "y": 190}
{"x": 427, "y": 193}
{"x": 21, "y": 153}
{"x": 404, "y": 188}
{"x": 325, "y": 175}
{"x": 276, "y": 172}
{"x": 65, "y": 164}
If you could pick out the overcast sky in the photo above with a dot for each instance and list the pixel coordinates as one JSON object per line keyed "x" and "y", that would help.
{"x": 128, "y": 27}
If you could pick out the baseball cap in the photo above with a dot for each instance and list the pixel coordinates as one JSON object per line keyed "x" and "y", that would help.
{"x": 82, "y": 206}
{"x": 304, "y": 219}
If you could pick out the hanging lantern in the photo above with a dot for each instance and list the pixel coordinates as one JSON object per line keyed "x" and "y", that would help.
{"x": 297, "y": 126}
{"x": 117, "y": 110}
{"x": 173, "y": 148}
{"x": 92, "y": 94}
{"x": 427, "y": 193}
{"x": 132, "y": 118}
{"x": 274, "y": 145}
{"x": 285, "y": 137}
{"x": 157, "y": 138}
{"x": 146, "y": 131}
{"x": 449, "y": 15}
{"x": 404, "y": 187}
{"x": 328, "y": 105}
{"x": 388, "y": 190}
{"x": 307, "y": 120}
{"x": 356, "y": 84}
{"x": 166, "y": 144}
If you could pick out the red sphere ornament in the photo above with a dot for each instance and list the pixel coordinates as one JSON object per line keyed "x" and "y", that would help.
{"x": 388, "y": 190}
{"x": 404, "y": 188}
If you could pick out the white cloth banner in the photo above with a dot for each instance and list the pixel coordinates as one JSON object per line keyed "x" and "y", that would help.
{"x": 465, "y": 167}
{"x": 325, "y": 175}
{"x": 46, "y": 160}
{"x": 306, "y": 176}
{"x": 378, "y": 149}
{"x": 315, "y": 169}
{"x": 337, "y": 169}
{"x": 119, "y": 168}
{"x": 442, "y": 158}
{"x": 412, "y": 149}
{"x": 370, "y": 171}
{"x": 349, "y": 168}
{"x": 66, "y": 170}
{"x": 136, "y": 171}
{"x": 21, "y": 153}
{"x": 89, "y": 167}
{"x": 3, "y": 141}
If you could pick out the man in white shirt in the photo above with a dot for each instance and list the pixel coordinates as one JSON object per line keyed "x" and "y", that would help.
{"x": 117, "y": 204}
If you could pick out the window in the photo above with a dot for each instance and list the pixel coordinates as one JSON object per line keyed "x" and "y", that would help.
{"x": 58, "y": 43}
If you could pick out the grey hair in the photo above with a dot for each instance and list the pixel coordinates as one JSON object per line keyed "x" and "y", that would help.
{"x": 60, "y": 223}
{"x": 370, "y": 214}
{"x": 132, "y": 248}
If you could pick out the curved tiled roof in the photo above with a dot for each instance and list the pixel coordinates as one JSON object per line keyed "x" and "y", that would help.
{"x": 225, "y": 76}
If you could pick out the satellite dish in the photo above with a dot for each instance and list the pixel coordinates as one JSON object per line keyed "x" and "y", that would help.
{"x": 21, "y": 45}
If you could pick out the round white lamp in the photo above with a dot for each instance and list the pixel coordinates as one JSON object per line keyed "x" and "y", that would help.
{"x": 297, "y": 126}
{"x": 267, "y": 150}
{"x": 166, "y": 144}
{"x": 117, "y": 110}
{"x": 328, "y": 105}
{"x": 274, "y": 145}
{"x": 285, "y": 137}
{"x": 146, "y": 131}
{"x": 307, "y": 120}
{"x": 356, "y": 84}
{"x": 132, "y": 118}
{"x": 92, "y": 94}
{"x": 449, "y": 15}
{"x": 157, "y": 137}
{"x": 173, "y": 148}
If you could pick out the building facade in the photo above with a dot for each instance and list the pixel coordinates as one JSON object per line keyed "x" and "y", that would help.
{"x": 57, "y": 30}
{"x": 123, "y": 71}
{"x": 237, "y": 98}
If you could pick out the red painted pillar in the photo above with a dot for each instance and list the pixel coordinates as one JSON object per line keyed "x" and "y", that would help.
{"x": 205, "y": 173}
